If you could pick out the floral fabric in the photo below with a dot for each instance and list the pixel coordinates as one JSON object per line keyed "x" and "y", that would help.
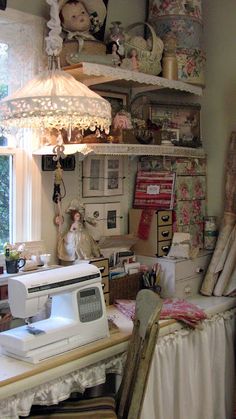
{"x": 173, "y": 308}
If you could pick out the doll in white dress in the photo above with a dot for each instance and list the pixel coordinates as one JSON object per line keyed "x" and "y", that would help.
{"x": 77, "y": 243}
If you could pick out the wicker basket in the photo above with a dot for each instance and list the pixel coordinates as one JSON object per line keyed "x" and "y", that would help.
{"x": 149, "y": 61}
{"x": 125, "y": 287}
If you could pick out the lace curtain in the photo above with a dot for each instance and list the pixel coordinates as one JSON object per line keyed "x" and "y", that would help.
{"x": 24, "y": 34}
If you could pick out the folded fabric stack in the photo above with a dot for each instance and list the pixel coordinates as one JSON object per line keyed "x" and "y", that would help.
{"x": 173, "y": 308}
{"x": 182, "y": 310}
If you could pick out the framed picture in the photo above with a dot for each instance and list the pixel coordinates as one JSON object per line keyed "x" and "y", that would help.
{"x": 182, "y": 119}
{"x": 118, "y": 101}
{"x": 93, "y": 176}
{"x": 172, "y": 135}
{"x": 112, "y": 219}
{"x": 107, "y": 217}
{"x": 102, "y": 176}
{"x": 113, "y": 184}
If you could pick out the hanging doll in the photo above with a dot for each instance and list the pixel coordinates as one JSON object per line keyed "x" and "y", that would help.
{"x": 77, "y": 243}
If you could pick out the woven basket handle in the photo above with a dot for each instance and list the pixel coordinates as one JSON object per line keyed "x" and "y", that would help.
{"x": 157, "y": 43}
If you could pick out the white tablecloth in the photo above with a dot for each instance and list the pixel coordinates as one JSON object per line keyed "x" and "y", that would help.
{"x": 192, "y": 374}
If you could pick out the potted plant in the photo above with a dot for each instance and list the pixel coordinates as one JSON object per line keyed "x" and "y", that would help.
{"x": 13, "y": 257}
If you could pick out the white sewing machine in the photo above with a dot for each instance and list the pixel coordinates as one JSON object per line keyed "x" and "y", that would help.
{"x": 78, "y": 313}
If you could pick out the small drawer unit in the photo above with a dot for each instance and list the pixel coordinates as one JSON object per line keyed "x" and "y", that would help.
{"x": 160, "y": 232}
{"x": 103, "y": 266}
{"x": 182, "y": 278}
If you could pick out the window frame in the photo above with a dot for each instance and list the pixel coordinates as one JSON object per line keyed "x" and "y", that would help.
{"x": 25, "y": 203}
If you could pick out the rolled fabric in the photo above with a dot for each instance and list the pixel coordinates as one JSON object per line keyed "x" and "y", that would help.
{"x": 220, "y": 254}
{"x": 230, "y": 289}
{"x": 223, "y": 244}
{"x": 228, "y": 268}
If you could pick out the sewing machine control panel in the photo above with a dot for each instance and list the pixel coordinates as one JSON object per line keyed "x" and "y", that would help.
{"x": 89, "y": 304}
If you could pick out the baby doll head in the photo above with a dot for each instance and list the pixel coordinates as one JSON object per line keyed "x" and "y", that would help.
{"x": 82, "y": 16}
{"x": 75, "y": 17}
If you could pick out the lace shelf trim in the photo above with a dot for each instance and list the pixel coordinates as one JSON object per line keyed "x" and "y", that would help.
{"x": 111, "y": 74}
{"x": 126, "y": 150}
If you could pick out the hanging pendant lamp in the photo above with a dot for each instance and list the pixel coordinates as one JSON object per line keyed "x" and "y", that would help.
{"x": 54, "y": 99}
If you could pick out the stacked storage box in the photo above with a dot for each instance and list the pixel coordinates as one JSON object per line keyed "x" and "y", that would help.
{"x": 184, "y": 19}
{"x": 159, "y": 239}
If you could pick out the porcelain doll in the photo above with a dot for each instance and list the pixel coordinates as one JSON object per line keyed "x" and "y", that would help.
{"x": 134, "y": 59}
{"x": 77, "y": 243}
{"x": 113, "y": 49}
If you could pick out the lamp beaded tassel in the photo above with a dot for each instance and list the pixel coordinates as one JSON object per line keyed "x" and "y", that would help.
{"x": 54, "y": 99}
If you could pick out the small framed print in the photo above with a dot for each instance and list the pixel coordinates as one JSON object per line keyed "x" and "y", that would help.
{"x": 113, "y": 184}
{"x": 93, "y": 176}
{"x": 95, "y": 211}
{"x": 117, "y": 100}
{"x": 173, "y": 135}
{"x": 102, "y": 176}
{"x": 107, "y": 217}
{"x": 112, "y": 219}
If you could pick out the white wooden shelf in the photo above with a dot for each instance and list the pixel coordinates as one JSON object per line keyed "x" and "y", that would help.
{"x": 126, "y": 150}
{"x": 94, "y": 74}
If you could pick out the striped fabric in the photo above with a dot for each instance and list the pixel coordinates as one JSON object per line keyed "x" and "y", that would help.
{"x": 96, "y": 408}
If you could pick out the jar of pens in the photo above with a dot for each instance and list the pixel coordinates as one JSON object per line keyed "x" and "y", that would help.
{"x": 151, "y": 278}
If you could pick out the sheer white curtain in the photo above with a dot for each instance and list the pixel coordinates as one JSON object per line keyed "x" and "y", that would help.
{"x": 192, "y": 374}
{"x": 24, "y": 35}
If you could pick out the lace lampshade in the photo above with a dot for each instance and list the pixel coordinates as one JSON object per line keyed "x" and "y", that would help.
{"x": 55, "y": 99}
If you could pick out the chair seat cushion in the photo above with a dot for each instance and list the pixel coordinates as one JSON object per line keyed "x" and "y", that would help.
{"x": 96, "y": 408}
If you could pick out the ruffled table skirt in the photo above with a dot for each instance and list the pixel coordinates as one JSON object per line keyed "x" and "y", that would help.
{"x": 60, "y": 388}
{"x": 193, "y": 372}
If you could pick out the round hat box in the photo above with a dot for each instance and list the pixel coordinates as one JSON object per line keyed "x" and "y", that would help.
{"x": 189, "y": 8}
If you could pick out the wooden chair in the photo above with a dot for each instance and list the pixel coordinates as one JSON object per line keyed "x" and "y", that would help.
{"x": 128, "y": 402}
